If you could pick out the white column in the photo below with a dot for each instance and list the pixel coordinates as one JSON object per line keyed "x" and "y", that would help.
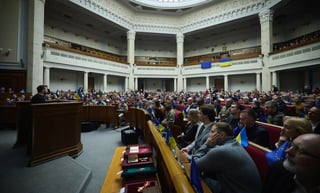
{"x": 105, "y": 83}
{"x": 185, "y": 84}
{"x": 275, "y": 79}
{"x": 258, "y": 82}
{"x": 266, "y": 46}
{"x": 130, "y": 59}
{"x": 46, "y": 77}
{"x": 226, "y": 83}
{"x": 136, "y": 83}
{"x": 35, "y": 39}
{"x": 180, "y": 41}
{"x": 213, "y": 82}
{"x": 85, "y": 82}
{"x": 207, "y": 82}
{"x": 126, "y": 84}
{"x": 175, "y": 84}
{"x": 307, "y": 78}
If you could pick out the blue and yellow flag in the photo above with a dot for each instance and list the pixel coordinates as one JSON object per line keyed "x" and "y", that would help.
{"x": 277, "y": 154}
{"x": 242, "y": 137}
{"x": 78, "y": 94}
{"x": 170, "y": 140}
{"x": 195, "y": 177}
{"x": 224, "y": 62}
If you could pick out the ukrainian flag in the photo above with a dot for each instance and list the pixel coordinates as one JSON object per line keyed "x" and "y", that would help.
{"x": 195, "y": 176}
{"x": 242, "y": 137}
{"x": 170, "y": 140}
{"x": 224, "y": 62}
{"x": 78, "y": 94}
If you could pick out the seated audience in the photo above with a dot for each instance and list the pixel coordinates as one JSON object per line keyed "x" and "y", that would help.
{"x": 227, "y": 167}
{"x": 225, "y": 110}
{"x": 274, "y": 116}
{"x": 258, "y": 110}
{"x": 170, "y": 115}
{"x": 298, "y": 105}
{"x": 217, "y": 106}
{"x": 300, "y": 172}
{"x": 234, "y": 116}
{"x": 190, "y": 129}
{"x": 190, "y": 105}
{"x": 207, "y": 117}
{"x": 255, "y": 132}
{"x": 314, "y": 117}
{"x": 292, "y": 128}
{"x": 158, "y": 112}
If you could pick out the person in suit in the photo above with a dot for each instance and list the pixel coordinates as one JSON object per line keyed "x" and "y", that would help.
{"x": 40, "y": 97}
{"x": 255, "y": 133}
{"x": 234, "y": 117}
{"x": 300, "y": 172}
{"x": 314, "y": 117}
{"x": 190, "y": 105}
{"x": 274, "y": 116}
{"x": 207, "y": 117}
{"x": 190, "y": 129}
{"x": 227, "y": 167}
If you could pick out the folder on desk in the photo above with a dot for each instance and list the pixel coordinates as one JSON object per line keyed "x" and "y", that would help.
{"x": 133, "y": 187}
{"x": 136, "y": 162}
{"x": 142, "y": 150}
{"x": 139, "y": 172}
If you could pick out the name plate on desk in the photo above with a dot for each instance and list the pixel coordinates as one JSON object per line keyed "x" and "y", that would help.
{"x": 137, "y": 162}
{"x": 142, "y": 150}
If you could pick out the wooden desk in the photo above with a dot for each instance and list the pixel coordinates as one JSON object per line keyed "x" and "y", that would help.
{"x": 185, "y": 162}
{"x": 113, "y": 181}
{"x": 106, "y": 114}
{"x": 55, "y": 130}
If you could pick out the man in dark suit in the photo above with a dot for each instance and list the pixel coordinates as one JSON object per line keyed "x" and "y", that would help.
{"x": 255, "y": 133}
{"x": 40, "y": 97}
{"x": 300, "y": 172}
{"x": 314, "y": 116}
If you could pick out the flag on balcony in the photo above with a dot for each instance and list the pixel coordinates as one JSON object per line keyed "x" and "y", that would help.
{"x": 224, "y": 62}
{"x": 205, "y": 64}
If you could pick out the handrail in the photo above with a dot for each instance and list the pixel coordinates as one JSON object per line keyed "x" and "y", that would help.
{"x": 178, "y": 177}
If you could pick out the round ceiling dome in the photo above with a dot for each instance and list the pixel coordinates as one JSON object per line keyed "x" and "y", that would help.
{"x": 170, "y": 4}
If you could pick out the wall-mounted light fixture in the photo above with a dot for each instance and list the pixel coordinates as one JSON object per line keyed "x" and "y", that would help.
{"x": 8, "y": 52}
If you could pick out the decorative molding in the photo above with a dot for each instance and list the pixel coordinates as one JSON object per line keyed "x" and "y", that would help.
{"x": 224, "y": 11}
{"x": 131, "y": 35}
{"x": 180, "y": 38}
{"x": 265, "y": 16}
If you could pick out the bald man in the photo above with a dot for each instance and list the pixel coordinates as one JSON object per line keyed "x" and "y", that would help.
{"x": 300, "y": 172}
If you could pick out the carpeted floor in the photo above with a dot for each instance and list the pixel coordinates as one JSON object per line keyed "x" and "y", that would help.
{"x": 62, "y": 175}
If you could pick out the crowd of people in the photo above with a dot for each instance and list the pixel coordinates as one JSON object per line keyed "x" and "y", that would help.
{"x": 211, "y": 121}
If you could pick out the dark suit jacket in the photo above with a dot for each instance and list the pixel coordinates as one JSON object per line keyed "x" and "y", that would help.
{"x": 317, "y": 129}
{"x": 278, "y": 179}
{"x": 258, "y": 135}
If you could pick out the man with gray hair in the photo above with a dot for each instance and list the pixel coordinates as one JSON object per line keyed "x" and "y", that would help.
{"x": 274, "y": 116}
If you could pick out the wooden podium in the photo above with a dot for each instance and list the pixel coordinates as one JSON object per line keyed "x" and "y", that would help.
{"x": 56, "y": 130}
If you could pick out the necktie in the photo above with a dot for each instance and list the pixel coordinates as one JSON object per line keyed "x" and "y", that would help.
{"x": 201, "y": 130}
